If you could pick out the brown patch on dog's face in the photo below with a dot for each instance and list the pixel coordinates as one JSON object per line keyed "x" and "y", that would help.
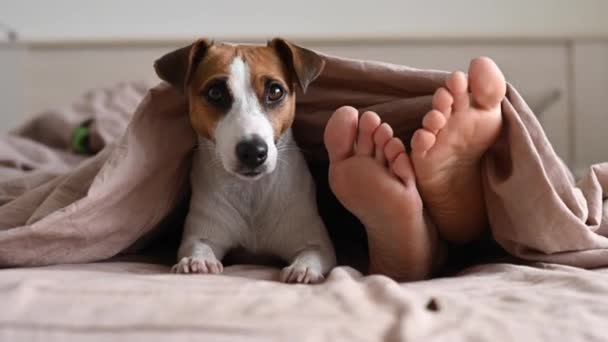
{"x": 214, "y": 68}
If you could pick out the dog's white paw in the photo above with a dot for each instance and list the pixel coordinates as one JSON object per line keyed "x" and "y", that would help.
{"x": 198, "y": 265}
{"x": 300, "y": 274}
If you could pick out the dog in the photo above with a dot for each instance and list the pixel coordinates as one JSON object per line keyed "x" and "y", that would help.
{"x": 251, "y": 187}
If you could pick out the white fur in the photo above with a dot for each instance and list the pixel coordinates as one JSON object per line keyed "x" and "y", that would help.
{"x": 244, "y": 120}
{"x": 275, "y": 214}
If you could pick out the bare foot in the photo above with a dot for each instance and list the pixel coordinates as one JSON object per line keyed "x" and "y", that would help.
{"x": 375, "y": 181}
{"x": 447, "y": 151}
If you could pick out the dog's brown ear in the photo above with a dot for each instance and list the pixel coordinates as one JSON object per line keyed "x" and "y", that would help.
{"x": 176, "y": 67}
{"x": 305, "y": 64}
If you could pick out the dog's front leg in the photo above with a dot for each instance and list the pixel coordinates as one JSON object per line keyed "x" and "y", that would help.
{"x": 304, "y": 243}
{"x": 197, "y": 255}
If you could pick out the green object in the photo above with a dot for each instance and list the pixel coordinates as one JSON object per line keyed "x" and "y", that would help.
{"x": 80, "y": 140}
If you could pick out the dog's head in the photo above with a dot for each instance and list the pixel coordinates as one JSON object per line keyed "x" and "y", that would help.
{"x": 241, "y": 97}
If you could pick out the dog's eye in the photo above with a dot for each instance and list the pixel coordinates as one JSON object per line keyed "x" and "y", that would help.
{"x": 275, "y": 92}
{"x": 216, "y": 93}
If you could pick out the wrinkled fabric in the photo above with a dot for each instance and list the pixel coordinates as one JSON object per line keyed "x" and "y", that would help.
{"x": 135, "y": 301}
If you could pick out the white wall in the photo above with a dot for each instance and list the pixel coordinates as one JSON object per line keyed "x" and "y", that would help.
{"x": 154, "y": 19}
{"x": 590, "y": 61}
{"x": 11, "y": 87}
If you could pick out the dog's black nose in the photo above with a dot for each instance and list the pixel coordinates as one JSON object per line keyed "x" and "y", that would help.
{"x": 252, "y": 153}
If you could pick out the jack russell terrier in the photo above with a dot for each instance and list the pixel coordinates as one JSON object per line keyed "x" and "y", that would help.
{"x": 251, "y": 186}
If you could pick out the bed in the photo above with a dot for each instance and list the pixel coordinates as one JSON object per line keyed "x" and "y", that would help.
{"x": 68, "y": 274}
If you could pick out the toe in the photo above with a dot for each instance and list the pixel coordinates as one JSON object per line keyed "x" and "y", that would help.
{"x": 212, "y": 267}
{"x": 442, "y": 101}
{"x": 306, "y": 279}
{"x": 340, "y": 133}
{"x": 487, "y": 83}
{"x": 457, "y": 85}
{"x": 393, "y": 148}
{"x": 383, "y": 134}
{"x": 285, "y": 275}
{"x": 201, "y": 266}
{"x": 422, "y": 141}
{"x": 367, "y": 126}
{"x": 434, "y": 121}
{"x": 301, "y": 275}
{"x": 402, "y": 168}
{"x": 194, "y": 266}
